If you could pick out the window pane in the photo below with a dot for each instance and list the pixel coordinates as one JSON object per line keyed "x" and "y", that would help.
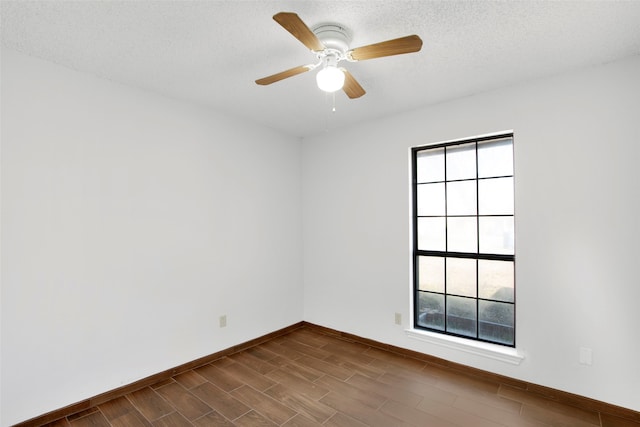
{"x": 496, "y": 196}
{"x": 431, "y": 234}
{"x": 461, "y": 198}
{"x": 430, "y": 199}
{"x": 495, "y": 158}
{"x": 495, "y": 280}
{"x": 461, "y": 316}
{"x": 461, "y": 276}
{"x": 431, "y": 273}
{"x": 496, "y": 235}
{"x": 461, "y": 162}
{"x": 431, "y": 310}
{"x": 462, "y": 234}
{"x": 430, "y": 165}
{"x": 496, "y": 322}
{"x": 464, "y": 204}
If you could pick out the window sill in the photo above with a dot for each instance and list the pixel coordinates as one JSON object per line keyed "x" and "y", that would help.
{"x": 478, "y": 348}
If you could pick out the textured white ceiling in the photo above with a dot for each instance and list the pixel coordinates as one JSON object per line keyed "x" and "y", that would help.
{"x": 211, "y": 52}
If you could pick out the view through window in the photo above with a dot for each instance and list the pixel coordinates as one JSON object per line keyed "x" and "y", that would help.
{"x": 463, "y": 238}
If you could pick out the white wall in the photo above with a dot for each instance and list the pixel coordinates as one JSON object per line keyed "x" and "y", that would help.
{"x": 577, "y": 150}
{"x": 130, "y": 223}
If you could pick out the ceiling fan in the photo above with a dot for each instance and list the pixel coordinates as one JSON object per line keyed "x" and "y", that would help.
{"x": 330, "y": 43}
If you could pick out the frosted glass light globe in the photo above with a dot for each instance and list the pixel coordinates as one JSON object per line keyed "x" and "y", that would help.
{"x": 330, "y": 79}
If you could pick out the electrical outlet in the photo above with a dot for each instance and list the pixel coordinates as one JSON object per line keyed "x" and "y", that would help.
{"x": 223, "y": 320}
{"x": 398, "y": 319}
{"x": 586, "y": 356}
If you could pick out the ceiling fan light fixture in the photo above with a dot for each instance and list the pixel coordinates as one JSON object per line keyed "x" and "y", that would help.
{"x": 330, "y": 43}
{"x": 330, "y": 78}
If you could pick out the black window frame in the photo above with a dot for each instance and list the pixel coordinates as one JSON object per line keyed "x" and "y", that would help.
{"x": 416, "y": 253}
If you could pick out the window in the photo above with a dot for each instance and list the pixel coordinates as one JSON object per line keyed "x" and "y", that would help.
{"x": 463, "y": 239}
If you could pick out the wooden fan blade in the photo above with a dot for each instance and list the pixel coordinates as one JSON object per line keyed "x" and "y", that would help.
{"x": 298, "y": 29}
{"x": 399, "y": 46}
{"x": 351, "y": 87}
{"x": 283, "y": 75}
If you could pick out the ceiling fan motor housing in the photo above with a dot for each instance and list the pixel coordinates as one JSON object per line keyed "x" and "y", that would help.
{"x": 334, "y": 37}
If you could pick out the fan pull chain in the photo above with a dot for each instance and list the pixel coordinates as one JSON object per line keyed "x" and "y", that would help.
{"x": 327, "y": 117}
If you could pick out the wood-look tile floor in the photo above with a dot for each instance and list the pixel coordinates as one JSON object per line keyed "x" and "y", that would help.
{"x": 308, "y": 378}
